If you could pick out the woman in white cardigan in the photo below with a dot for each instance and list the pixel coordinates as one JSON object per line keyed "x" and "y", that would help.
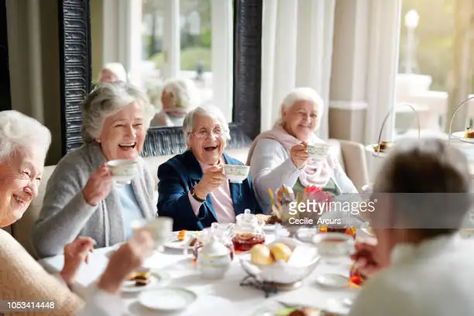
{"x": 280, "y": 156}
{"x": 23, "y": 146}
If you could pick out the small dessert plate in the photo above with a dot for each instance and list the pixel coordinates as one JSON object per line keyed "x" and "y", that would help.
{"x": 332, "y": 280}
{"x": 157, "y": 279}
{"x": 174, "y": 243}
{"x": 167, "y": 299}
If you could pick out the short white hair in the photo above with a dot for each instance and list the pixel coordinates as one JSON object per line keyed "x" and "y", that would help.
{"x": 183, "y": 91}
{"x": 303, "y": 94}
{"x": 19, "y": 131}
{"x": 118, "y": 70}
{"x": 107, "y": 99}
{"x": 209, "y": 111}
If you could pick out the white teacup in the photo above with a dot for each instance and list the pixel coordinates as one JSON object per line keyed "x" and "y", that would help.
{"x": 123, "y": 170}
{"x": 333, "y": 244}
{"x": 160, "y": 228}
{"x": 318, "y": 151}
{"x": 236, "y": 173}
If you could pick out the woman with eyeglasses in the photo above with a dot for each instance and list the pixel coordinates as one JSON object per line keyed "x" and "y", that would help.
{"x": 193, "y": 189}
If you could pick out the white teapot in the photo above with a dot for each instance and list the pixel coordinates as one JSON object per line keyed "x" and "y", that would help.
{"x": 214, "y": 259}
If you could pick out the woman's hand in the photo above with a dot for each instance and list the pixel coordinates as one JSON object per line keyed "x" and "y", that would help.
{"x": 74, "y": 254}
{"x": 127, "y": 258}
{"x": 213, "y": 177}
{"x": 299, "y": 154}
{"x": 366, "y": 260}
{"x": 98, "y": 186}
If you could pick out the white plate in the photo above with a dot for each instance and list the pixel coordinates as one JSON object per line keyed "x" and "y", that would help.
{"x": 461, "y": 137}
{"x": 332, "y": 280}
{"x": 269, "y": 227}
{"x": 174, "y": 243}
{"x": 156, "y": 279}
{"x": 167, "y": 299}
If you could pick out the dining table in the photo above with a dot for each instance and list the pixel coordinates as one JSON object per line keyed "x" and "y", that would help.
{"x": 173, "y": 267}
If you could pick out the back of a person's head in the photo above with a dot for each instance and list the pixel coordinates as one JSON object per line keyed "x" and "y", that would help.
{"x": 18, "y": 130}
{"x": 429, "y": 182}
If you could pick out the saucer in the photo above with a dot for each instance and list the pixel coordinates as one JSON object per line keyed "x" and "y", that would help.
{"x": 167, "y": 299}
{"x": 332, "y": 280}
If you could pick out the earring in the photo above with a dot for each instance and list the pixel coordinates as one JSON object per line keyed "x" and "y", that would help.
{"x": 97, "y": 140}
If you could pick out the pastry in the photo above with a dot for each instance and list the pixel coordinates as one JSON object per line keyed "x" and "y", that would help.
{"x": 182, "y": 235}
{"x": 383, "y": 146}
{"x": 469, "y": 133}
{"x": 141, "y": 278}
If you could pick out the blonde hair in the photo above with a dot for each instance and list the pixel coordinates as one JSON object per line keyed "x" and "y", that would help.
{"x": 182, "y": 90}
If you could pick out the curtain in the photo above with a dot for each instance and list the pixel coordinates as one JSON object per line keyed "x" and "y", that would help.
{"x": 296, "y": 51}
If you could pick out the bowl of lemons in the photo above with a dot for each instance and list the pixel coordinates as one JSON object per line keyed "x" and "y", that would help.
{"x": 285, "y": 261}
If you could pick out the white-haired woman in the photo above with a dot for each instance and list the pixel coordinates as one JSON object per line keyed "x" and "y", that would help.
{"x": 280, "y": 156}
{"x": 23, "y": 146}
{"x": 112, "y": 72}
{"x": 193, "y": 189}
{"x": 81, "y": 198}
{"x": 177, "y": 99}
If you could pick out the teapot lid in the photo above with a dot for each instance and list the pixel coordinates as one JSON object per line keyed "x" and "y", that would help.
{"x": 247, "y": 218}
{"x": 214, "y": 248}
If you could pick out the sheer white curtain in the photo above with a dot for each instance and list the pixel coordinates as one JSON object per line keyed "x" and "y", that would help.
{"x": 296, "y": 51}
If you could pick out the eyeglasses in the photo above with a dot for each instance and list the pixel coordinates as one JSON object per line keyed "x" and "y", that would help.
{"x": 203, "y": 134}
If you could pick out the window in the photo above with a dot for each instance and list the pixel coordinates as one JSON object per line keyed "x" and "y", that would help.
{"x": 426, "y": 66}
{"x": 159, "y": 40}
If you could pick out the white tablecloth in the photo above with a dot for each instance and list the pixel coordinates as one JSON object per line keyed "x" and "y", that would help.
{"x": 216, "y": 297}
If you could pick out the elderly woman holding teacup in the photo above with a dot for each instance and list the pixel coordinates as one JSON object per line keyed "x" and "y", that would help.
{"x": 81, "y": 196}
{"x": 23, "y": 146}
{"x": 193, "y": 187}
{"x": 420, "y": 266}
{"x": 291, "y": 154}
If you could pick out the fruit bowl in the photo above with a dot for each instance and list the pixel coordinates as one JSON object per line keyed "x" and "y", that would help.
{"x": 301, "y": 263}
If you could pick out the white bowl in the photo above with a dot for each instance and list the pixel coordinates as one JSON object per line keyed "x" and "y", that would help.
{"x": 301, "y": 263}
{"x": 123, "y": 170}
{"x": 236, "y": 173}
{"x": 334, "y": 244}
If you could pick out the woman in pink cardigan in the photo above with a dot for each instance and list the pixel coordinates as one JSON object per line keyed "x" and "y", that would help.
{"x": 23, "y": 146}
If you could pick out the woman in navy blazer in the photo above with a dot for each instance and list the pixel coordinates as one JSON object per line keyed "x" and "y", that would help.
{"x": 193, "y": 189}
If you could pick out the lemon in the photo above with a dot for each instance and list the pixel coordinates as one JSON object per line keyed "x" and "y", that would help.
{"x": 260, "y": 254}
{"x": 280, "y": 251}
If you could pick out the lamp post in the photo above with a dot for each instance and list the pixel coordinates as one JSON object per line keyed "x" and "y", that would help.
{"x": 411, "y": 22}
